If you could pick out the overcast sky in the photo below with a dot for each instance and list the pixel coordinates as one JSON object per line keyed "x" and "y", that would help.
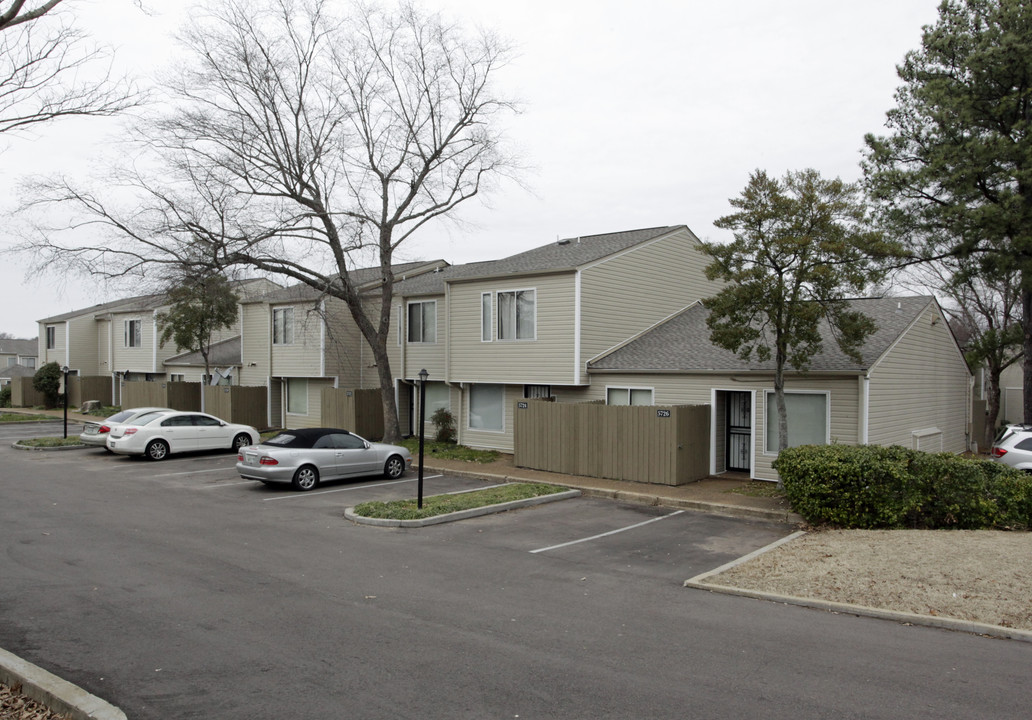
{"x": 636, "y": 114}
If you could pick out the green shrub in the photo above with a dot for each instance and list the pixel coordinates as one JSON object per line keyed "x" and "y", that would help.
{"x": 868, "y": 486}
{"x": 5, "y": 396}
{"x": 444, "y": 424}
{"x": 47, "y": 381}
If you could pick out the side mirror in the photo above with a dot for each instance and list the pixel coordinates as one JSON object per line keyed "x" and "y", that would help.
{"x": 367, "y": 444}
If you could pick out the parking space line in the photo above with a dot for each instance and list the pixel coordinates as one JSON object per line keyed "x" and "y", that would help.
{"x": 192, "y": 472}
{"x": 221, "y": 485}
{"x": 611, "y": 532}
{"x": 326, "y": 492}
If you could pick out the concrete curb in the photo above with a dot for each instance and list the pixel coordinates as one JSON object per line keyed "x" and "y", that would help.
{"x": 58, "y": 695}
{"x": 944, "y": 623}
{"x": 644, "y": 498}
{"x": 349, "y": 513}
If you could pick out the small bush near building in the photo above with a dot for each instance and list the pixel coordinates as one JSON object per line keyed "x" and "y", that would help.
{"x": 444, "y": 424}
{"x": 47, "y": 381}
{"x": 868, "y": 486}
{"x": 5, "y": 396}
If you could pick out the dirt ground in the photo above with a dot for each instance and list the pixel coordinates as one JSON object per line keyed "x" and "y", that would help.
{"x": 977, "y": 575}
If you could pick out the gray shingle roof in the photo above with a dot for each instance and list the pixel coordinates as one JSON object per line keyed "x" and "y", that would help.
{"x": 360, "y": 276}
{"x": 567, "y": 254}
{"x": 226, "y": 352}
{"x": 20, "y": 347}
{"x": 682, "y": 343}
{"x": 13, "y": 371}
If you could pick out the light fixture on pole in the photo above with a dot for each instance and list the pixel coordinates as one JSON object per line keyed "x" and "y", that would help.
{"x": 64, "y": 369}
{"x": 423, "y": 375}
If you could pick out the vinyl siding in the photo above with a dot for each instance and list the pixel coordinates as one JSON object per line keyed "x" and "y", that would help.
{"x": 343, "y": 345}
{"x": 624, "y": 295}
{"x": 921, "y": 382}
{"x": 484, "y": 439}
{"x": 82, "y": 345}
{"x": 104, "y": 349}
{"x": 302, "y": 358}
{"x": 57, "y": 353}
{"x": 137, "y": 359}
{"x": 422, "y": 356}
{"x": 313, "y": 418}
{"x": 548, "y": 359}
{"x": 255, "y": 327}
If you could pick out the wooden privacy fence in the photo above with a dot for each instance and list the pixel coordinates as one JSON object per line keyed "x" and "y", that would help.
{"x": 360, "y": 411}
{"x": 655, "y": 444}
{"x": 175, "y": 395}
{"x": 23, "y": 394}
{"x": 89, "y": 387}
{"x": 238, "y": 404}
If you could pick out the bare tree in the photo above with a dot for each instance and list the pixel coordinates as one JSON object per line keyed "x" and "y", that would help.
{"x": 49, "y": 71}
{"x": 305, "y": 145}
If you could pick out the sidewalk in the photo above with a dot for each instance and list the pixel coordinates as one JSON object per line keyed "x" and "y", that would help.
{"x": 713, "y": 495}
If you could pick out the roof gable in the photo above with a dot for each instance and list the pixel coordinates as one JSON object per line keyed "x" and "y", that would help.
{"x": 682, "y": 343}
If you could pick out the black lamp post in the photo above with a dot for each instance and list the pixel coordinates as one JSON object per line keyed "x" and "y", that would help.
{"x": 423, "y": 375}
{"x": 64, "y": 369}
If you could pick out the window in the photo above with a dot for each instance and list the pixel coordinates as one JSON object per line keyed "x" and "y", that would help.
{"x": 133, "y": 333}
{"x": 628, "y": 396}
{"x": 283, "y": 326}
{"x": 807, "y": 419}
{"x": 437, "y": 397}
{"x": 517, "y": 315}
{"x": 422, "y": 322}
{"x": 487, "y": 407}
{"x": 297, "y": 396}
{"x": 11, "y": 361}
{"x": 176, "y": 377}
{"x": 537, "y": 391}
{"x": 485, "y": 317}
{"x": 51, "y": 337}
{"x": 30, "y": 362}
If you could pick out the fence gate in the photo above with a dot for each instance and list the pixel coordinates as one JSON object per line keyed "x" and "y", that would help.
{"x": 739, "y": 431}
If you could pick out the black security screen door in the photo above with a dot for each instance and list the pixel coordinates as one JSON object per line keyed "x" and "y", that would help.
{"x": 739, "y": 431}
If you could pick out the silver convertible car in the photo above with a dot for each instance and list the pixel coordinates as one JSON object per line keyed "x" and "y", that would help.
{"x": 305, "y": 457}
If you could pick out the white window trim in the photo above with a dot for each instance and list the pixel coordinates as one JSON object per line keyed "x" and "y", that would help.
{"x": 489, "y": 318}
{"x": 127, "y": 333}
{"x": 469, "y": 414}
{"x": 497, "y": 313}
{"x": 628, "y": 388}
{"x": 408, "y": 314}
{"x": 768, "y": 397}
{"x": 286, "y": 397}
{"x": 292, "y": 318}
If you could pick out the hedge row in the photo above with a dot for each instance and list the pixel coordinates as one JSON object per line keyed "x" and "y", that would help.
{"x": 866, "y": 486}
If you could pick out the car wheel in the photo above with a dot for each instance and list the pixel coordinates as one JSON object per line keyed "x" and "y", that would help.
{"x": 306, "y": 478}
{"x": 157, "y": 450}
{"x": 241, "y": 440}
{"x": 394, "y": 468}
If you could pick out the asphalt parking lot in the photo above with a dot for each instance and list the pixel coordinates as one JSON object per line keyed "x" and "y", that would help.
{"x": 177, "y": 589}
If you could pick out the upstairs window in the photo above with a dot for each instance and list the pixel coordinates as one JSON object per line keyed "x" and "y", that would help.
{"x": 517, "y": 315}
{"x": 422, "y": 322}
{"x": 283, "y": 326}
{"x": 134, "y": 333}
{"x": 51, "y": 337}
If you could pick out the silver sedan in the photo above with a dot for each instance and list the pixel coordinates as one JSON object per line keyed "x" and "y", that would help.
{"x": 307, "y": 456}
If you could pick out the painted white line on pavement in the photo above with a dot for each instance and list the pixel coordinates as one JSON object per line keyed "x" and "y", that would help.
{"x": 220, "y": 485}
{"x": 611, "y": 532}
{"x": 192, "y": 472}
{"x": 326, "y": 492}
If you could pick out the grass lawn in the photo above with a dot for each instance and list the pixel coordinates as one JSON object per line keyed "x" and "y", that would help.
{"x": 444, "y": 504}
{"x": 448, "y": 451}
{"x": 11, "y": 417}
{"x": 47, "y": 442}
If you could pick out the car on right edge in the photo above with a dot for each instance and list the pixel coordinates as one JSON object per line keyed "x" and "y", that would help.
{"x": 1013, "y": 447}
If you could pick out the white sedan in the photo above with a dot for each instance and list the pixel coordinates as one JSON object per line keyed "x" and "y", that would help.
{"x": 96, "y": 433}
{"x": 157, "y": 434}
